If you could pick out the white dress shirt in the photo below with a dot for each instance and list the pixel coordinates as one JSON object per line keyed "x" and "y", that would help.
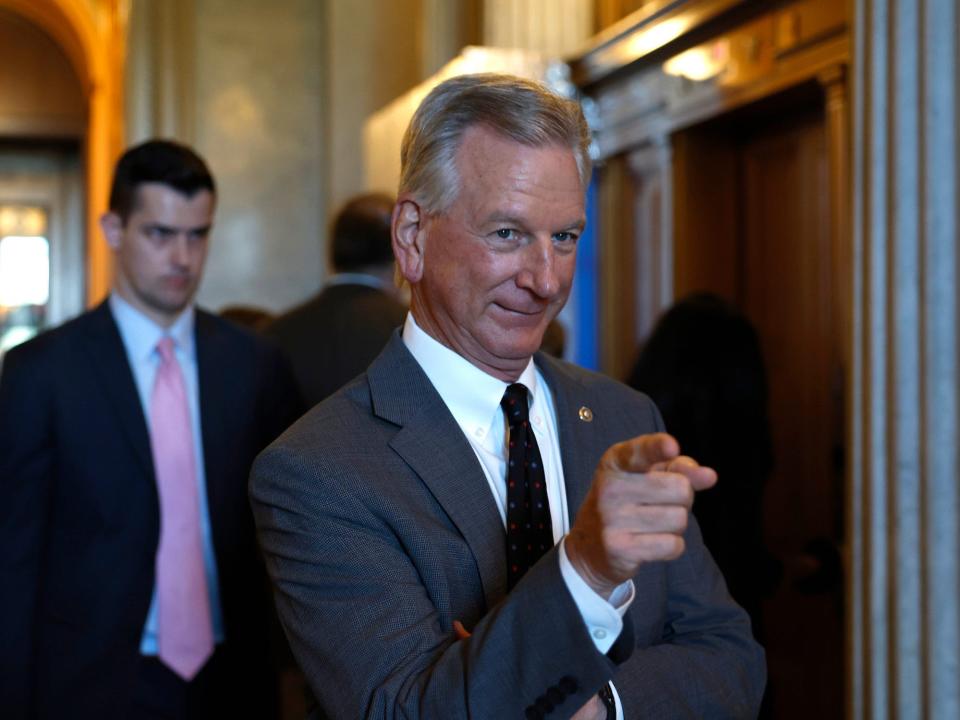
{"x": 473, "y": 398}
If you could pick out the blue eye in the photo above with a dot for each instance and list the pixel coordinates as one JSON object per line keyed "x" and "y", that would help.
{"x": 505, "y": 233}
{"x": 565, "y": 237}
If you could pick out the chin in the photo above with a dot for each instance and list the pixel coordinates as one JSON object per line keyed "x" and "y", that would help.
{"x": 513, "y": 343}
{"x": 171, "y": 306}
{"x": 519, "y": 350}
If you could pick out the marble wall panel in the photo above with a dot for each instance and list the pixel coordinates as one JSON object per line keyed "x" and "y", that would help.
{"x": 259, "y": 122}
{"x": 374, "y": 53}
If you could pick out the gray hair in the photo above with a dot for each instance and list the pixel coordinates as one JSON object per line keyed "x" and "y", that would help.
{"x": 518, "y": 109}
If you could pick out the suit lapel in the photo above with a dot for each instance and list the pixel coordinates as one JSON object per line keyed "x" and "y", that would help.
{"x": 112, "y": 370}
{"x": 432, "y": 444}
{"x": 214, "y": 380}
{"x": 577, "y": 437}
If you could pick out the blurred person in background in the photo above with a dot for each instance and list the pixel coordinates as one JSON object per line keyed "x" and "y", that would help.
{"x": 333, "y": 337}
{"x": 703, "y": 368}
{"x": 130, "y": 582}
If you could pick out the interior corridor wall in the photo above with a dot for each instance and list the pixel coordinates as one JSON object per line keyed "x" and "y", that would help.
{"x": 242, "y": 81}
{"x": 274, "y": 95}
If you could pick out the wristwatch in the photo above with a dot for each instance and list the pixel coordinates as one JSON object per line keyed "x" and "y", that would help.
{"x": 606, "y": 697}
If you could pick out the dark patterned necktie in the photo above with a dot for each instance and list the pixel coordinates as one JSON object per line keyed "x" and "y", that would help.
{"x": 529, "y": 528}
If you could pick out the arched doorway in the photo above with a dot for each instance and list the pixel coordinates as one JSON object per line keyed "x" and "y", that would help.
{"x": 91, "y": 35}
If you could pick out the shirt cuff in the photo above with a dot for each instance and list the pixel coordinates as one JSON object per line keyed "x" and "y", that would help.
{"x": 616, "y": 699}
{"x": 603, "y": 618}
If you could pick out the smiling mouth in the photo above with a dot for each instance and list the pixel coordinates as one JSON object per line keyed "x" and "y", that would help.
{"x": 517, "y": 311}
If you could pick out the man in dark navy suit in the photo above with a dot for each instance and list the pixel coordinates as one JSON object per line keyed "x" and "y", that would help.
{"x": 130, "y": 584}
{"x": 334, "y": 336}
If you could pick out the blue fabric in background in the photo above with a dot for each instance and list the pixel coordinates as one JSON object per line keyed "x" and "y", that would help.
{"x": 586, "y": 303}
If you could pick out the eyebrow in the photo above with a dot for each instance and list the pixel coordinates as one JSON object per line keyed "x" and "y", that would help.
{"x": 578, "y": 224}
{"x": 172, "y": 229}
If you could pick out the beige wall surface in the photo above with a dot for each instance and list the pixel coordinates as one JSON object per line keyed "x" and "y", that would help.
{"x": 374, "y": 55}
{"x": 276, "y": 104}
{"x": 275, "y": 96}
{"x": 259, "y": 123}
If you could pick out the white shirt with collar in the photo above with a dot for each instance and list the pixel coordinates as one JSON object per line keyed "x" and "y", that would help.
{"x": 473, "y": 398}
{"x": 140, "y": 337}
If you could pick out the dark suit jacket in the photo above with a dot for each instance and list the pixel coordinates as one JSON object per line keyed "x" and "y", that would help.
{"x": 380, "y": 530}
{"x": 79, "y": 514}
{"x": 333, "y": 337}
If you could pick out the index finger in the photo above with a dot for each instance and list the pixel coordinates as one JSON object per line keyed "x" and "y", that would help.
{"x": 641, "y": 453}
{"x": 700, "y": 476}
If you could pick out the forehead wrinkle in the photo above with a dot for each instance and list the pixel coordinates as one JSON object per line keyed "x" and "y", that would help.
{"x": 495, "y": 182}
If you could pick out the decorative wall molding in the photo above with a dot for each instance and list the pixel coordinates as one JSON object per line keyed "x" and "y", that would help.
{"x": 765, "y": 54}
{"x": 643, "y": 34}
{"x": 550, "y": 27}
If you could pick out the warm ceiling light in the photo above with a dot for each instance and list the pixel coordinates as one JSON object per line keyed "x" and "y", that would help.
{"x": 646, "y": 41}
{"x": 699, "y": 63}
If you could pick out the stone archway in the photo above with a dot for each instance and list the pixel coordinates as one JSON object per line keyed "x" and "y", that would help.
{"x": 92, "y": 34}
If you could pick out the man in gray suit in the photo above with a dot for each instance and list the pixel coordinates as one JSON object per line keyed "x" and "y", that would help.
{"x": 473, "y": 529}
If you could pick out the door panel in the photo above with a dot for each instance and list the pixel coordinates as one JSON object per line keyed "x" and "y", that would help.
{"x": 762, "y": 240}
{"x": 786, "y": 292}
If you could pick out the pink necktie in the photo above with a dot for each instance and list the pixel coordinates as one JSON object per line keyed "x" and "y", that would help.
{"x": 184, "y": 625}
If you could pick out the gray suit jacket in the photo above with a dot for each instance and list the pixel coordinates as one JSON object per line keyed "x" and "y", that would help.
{"x": 379, "y": 530}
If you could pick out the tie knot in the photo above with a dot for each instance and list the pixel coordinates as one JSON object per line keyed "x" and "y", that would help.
{"x": 514, "y": 403}
{"x": 165, "y": 348}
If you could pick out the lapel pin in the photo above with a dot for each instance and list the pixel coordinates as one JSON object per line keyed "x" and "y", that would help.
{"x": 586, "y": 414}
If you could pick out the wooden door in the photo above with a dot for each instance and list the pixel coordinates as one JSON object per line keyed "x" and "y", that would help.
{"x": 752, "y": 224}
{"x": 785, "y": 290}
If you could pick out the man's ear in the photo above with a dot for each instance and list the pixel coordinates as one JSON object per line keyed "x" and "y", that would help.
{"x": 112, "y": 227}
{"x": 408, "y": 239}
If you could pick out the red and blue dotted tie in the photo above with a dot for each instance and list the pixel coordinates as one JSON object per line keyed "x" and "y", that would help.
{"x": 529, "y": 527}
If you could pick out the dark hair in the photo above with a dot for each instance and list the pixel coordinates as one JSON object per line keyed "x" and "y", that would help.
{"x": 703, "y": 367}
{"x": 360, "y": 235}
{"x": 157, "y": 161}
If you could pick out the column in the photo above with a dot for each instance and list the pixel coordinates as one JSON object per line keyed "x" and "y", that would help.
{"x": 161, "y": 54}
{"x": 651, "y": 168}
{"x": 552, "y": 27}
{"x": 903, "y": 503}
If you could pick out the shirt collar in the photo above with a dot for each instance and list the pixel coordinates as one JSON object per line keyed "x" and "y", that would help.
{"x": 472, "y": 395}
{"x": 357, "y": 278}
{"x": 141, "y": 334}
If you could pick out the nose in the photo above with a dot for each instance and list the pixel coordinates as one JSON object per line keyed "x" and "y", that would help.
{"x": 180, "y": 254}
{"x": 539, "y": 273}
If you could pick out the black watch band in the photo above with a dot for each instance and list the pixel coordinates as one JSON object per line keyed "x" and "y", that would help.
{"x": 606, "y": 697}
